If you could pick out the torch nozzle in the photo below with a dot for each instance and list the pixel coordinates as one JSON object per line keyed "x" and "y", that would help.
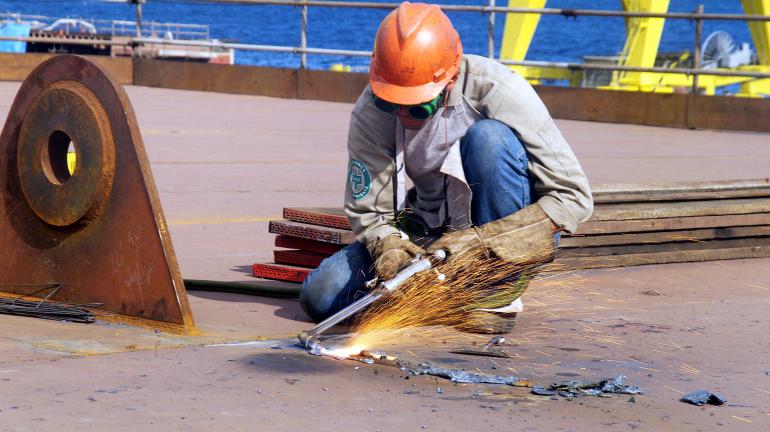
{"x": 310, "y": 342}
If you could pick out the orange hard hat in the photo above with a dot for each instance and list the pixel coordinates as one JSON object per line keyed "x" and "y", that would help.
{"x": 417, "y": 52}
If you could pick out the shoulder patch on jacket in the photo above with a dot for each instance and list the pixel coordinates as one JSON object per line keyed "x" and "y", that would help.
{"x": 359, "y": 178}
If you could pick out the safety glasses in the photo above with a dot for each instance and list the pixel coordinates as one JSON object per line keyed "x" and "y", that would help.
{"x": 421, "y": 111}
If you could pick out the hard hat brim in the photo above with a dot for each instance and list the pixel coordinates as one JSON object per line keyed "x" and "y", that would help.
{"x": 402, "y": 95}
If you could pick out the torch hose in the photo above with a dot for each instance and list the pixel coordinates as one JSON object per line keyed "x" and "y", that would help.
{"x": 251, "y": 288}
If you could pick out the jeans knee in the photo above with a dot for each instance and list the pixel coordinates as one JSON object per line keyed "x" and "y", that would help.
{"x": 320, "y": 291}
{"x": 334, "y": 284}
{"x": 486, "y": 143}
{"x": 311, "y": 298}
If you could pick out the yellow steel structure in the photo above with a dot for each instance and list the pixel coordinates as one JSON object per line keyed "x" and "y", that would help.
{"x": 519, "y": 29}
{"x": 760, "y": 31}
{"x": 640, "y": 50}
{"x": 642, "y": 42}
{"x": 517, "y": 37}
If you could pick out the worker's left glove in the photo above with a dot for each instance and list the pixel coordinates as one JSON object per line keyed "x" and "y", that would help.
{"x": 522, "y": 238}
{"x": 391, "y": 253}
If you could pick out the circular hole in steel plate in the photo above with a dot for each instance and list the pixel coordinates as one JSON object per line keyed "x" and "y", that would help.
{"x": 54, "y": 157}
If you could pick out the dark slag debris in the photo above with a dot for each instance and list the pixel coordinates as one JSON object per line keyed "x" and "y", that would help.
{"x": 701, "y": 397}
{"x": 542, "y": 391}
{"x": 459, "y": 376}
{"x": 603, "y": 388}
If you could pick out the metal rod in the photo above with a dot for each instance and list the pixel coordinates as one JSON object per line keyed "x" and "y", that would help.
{"x": 488, "y": 9}
{"x": 696, "y": 51}
{"x": 491, "y": 40}
{"x": 303, "y": 38}
{"x": 686, "y": 71}
{"x": 139, "y": 18}
{"x": 250, "y": 47}
{"x": 137, "y": 50}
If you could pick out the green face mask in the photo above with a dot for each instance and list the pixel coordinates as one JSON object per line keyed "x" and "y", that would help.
{"x": 421, "y": 111}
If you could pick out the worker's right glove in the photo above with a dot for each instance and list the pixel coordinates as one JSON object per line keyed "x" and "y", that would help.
{"x": 391, "y": 253}
{"x": 522, "y": 238}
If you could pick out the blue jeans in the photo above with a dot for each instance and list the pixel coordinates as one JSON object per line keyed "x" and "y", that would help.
{"x": 495, "y": 166}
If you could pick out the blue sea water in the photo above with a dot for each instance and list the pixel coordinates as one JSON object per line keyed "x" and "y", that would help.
{"x": 557, "y": 38}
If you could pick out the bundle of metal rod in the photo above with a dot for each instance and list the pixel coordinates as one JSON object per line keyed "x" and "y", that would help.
{"x": 631, "y": 225}
{"x": 46, "y": 309}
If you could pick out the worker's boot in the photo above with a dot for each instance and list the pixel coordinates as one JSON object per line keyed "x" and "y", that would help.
{"x": 485, "y": 322}
{"x": 496, "y": 313}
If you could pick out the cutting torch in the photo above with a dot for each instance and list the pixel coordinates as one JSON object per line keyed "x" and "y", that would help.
{"x": 378, "y": 288}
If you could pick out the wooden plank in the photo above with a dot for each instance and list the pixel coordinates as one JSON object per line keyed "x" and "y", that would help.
{"x": 279, "y": 272}
{"x": 626, "y": 211}
{"x": 664, "y": 247}
{"x": 664, "y": 236}
{"x": 312, "y": 232}
{"x": 680, "y": 191}
{"x": 298, "y": 258}
{"x": 335, "y": 218}
{"x": 290, "y": 242}
{"x": 644, "y": 196}
{"x": 579, "y": 263}
{"x": 323, "y": 216}
{"x": 668, "y": 224}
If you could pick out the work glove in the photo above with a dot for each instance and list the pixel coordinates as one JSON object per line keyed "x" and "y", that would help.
{"x": 391, "y": 253}
{"x": 522, "y": 238}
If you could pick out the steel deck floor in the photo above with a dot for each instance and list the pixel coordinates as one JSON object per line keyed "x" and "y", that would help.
{"x": 225, "y": 164}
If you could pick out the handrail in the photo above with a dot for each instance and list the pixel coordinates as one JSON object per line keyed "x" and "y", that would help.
{"x": 252, "y": 47}
{"x": 357, "y": 53}
{"x": 612, "y": 67}
{"x": 571, "y": 13}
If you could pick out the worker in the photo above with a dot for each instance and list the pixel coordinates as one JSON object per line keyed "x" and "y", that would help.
{"x": 486, "y": 160}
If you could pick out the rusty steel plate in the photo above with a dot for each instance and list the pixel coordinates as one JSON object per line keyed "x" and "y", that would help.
{"x": 66, "y": 112}
{"x": 98, "y": 230}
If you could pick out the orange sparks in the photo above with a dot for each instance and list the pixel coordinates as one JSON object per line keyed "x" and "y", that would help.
{"x": 426, "y": 304}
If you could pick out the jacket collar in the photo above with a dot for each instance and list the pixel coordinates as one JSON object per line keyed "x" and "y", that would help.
{"x": 456, "y": 95}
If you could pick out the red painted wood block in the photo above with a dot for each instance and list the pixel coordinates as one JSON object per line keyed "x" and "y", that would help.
{"x": 312, "y": 232}
{"x": 324, "y": 216}
{"x": 279, "y": 272}
{"x": 290, "y": 242}
{"x": 299, "y": 258}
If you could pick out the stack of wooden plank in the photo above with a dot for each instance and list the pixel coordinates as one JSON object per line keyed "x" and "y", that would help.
{"x": 631, "y": 225}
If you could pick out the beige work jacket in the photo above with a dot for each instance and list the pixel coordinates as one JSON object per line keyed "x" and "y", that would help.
{"x": 371, "y": 196}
